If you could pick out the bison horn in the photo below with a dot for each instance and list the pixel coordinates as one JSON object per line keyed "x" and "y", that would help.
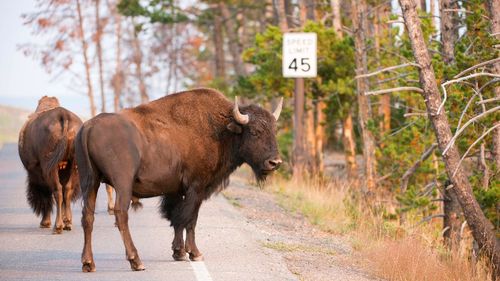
{"x": 277, "y": 110}
{"x": 240, "y": 118}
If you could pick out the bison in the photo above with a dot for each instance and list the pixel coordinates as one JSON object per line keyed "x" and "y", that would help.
{"x": 182, "y": 147}
{"x": 46, "y": 149}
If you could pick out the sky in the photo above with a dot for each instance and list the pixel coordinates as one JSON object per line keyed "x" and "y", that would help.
{"x": 22, "y": 79}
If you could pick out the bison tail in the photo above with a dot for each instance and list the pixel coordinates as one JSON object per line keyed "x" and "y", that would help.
{"x": 136, "y": 204}
{"x": 60, "y": 148}
{"x": 39, "y": 197}
{"x": 85, "y": 170}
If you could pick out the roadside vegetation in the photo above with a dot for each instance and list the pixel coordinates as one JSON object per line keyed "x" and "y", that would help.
{"x": 413, "y": 251}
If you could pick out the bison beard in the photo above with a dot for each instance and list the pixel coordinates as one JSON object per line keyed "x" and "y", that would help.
{"x": 182, "y": 147}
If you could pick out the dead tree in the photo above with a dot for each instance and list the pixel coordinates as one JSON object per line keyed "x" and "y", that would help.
{"x": 137, "y": 59}
{"x": 98, "y": 36}
{"x": 233, "y": 42}
{"x": 482, "y": 229}
{"x": 359, "y": 16}
{"x": 452, "y": 213}
{"x": 218, "y": 41}
{"x": 90, "y": 91}
{"x": 494, "y": 9}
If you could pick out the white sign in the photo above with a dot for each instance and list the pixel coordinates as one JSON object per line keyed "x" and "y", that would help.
{"x": 299, "y": 55}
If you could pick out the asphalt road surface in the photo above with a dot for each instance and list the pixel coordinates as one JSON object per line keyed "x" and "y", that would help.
{"x": 229, "y": 243}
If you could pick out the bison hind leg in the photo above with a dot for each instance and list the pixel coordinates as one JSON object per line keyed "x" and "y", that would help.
{"x": 39, "y": 197}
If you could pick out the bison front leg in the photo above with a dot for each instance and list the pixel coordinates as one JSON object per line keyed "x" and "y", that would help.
{"x": 123, "y": 198}
{"x": 191, "y": 248}
{"x": 178, "y": 244}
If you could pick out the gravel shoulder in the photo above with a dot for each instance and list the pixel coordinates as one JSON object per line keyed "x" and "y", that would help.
{"x": 309, "y": 253}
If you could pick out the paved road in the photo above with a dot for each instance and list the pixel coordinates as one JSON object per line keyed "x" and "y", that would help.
{"x": 229, "y": 243}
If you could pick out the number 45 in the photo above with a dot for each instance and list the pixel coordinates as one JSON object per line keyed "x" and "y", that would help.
{"x": 303, "y": 63}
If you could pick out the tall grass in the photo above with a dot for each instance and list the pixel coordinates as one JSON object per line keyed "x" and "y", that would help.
{"x": 390, "y": 251}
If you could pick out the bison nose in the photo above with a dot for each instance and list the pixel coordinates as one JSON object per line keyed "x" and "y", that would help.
{"x": 273, "y": 164}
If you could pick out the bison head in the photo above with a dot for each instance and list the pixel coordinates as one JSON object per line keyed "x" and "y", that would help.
{"x": 257, "y": 128}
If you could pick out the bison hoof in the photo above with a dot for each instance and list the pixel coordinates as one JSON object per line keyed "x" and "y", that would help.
{"x": 194, "y": 257}
{"x": 45, "y": 224}
{"x": 88, "y": 266}
{"x": 137, "y": 266}
{"x": 57, "y": 230}
{"x": 68, "y": 227}
{"x": 179, "y": 255}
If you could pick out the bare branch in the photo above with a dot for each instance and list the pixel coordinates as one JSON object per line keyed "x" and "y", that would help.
{"x": 465, "y": 109}
{"x": 445, "y": 95}
{"x": 386, "y": 69}
{"x": 496, "y": 80}
{"x": 472, "y": 120}
{"x": 465, "y": 12}
{"x": 428, "y": 218}
{"x": 412, "y": 169}
{"x": 473, "y": 144}
{"x": 477, "y": 66}
{"x": 415, "y": 114}
{"x": 488, "y": 100}
{"x": 393, "y": 78}
{"x": 391, "y": 90}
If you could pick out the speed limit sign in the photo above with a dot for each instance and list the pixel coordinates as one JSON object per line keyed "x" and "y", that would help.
{"x": 299, "y": 55}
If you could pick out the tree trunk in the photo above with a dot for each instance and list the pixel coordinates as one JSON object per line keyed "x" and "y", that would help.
{"x": 482, "y": 229}
{"x": 90, "y": 91}
{"x": 220, "y": 66}
{"x": 320, "y": 134}
{"x": 279, "y": 9}
{"x": 232, "y": 35}
{"x": 347, "y": 126}
{"x": 494, "y": 8}
{"x": 452, "y": 218}
{"x": 384, "y": 110}
{"x": 359, "y": 16}
{"x": 290, "y": 21}
{"x": 98, "y": 28}
{"x": 138, "y": 66}
{"x": 422, "y": 5}
{"x": 118, "y": 76}
{"x": 310, "y": 137}
{"x": 449, "y": 34}
{"x": 349, "y": 146}
{"x": 337, "y": 20}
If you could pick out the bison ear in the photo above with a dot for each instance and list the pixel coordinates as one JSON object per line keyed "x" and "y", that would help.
{"x": 235, "y": 128}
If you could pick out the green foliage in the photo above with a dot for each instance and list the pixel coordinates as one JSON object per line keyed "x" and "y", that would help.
{"x": 157, "y": 11}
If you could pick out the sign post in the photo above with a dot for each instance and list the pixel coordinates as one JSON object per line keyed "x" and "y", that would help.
{"x": 299, "y": 62}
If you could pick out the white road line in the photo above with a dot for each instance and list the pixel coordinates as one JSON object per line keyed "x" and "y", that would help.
{"x": 200, "y": 271}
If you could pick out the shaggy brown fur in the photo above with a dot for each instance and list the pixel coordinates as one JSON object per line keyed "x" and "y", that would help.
{"x": 182, "y": 147}
{"x": 46, "y": 150}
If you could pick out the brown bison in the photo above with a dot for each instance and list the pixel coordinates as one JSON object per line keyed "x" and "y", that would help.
{"x": 182, "y": 147}
{"x": 47, "y": 152}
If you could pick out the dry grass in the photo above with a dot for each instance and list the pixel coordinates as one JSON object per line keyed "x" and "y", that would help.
{"x": 411, "y": 259}
{"x": 391, "y": 252}
{"x": 323, "y": 203}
